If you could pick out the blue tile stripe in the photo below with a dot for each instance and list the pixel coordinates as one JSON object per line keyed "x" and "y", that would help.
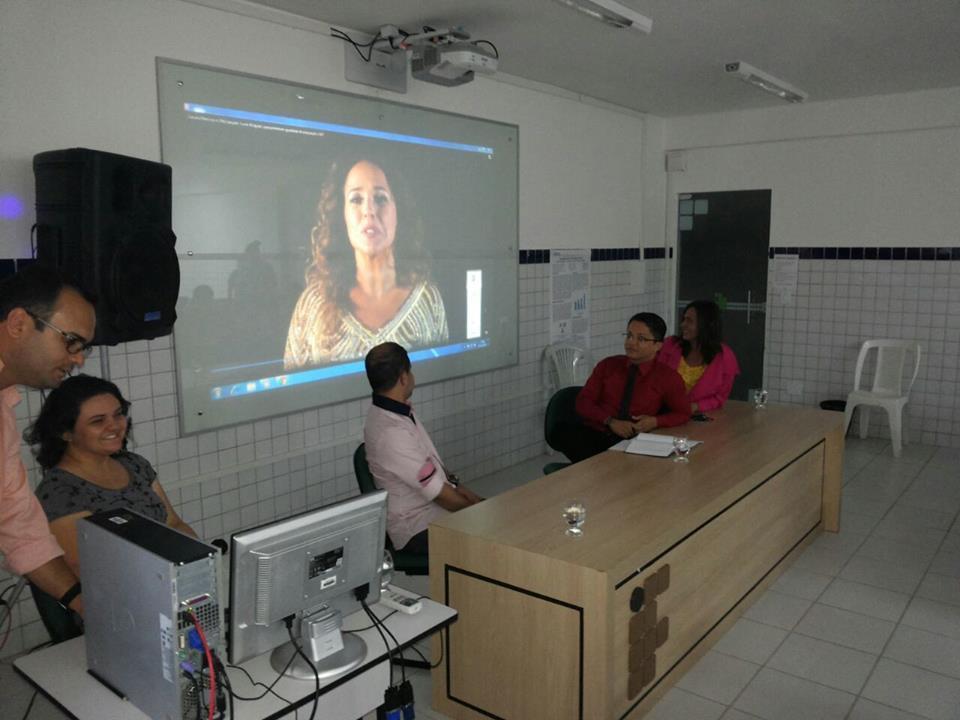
{"x": 534, "y": 257}
{"x": 869, "y": 253}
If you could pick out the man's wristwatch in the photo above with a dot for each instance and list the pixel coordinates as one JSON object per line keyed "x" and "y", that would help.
{"x": 69, "y": 596}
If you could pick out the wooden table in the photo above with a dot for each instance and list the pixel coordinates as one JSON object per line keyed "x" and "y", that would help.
{"x": 600, "y": 626}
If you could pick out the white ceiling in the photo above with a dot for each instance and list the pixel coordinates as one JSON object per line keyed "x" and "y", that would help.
{"x": 829, "y": 48}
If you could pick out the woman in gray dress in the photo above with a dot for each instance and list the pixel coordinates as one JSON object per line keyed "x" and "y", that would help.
{"x": 80, "y": 440}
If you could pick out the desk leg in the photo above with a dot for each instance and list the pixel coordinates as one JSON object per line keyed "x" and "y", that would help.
{"x": 832, "y": 479}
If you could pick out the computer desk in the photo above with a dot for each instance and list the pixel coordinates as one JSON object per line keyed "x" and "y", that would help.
{"x": 60, "y": 672}
{"x": 599, "y": 626}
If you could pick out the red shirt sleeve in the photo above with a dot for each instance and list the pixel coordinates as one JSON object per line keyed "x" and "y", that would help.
{"x": 589, "y": 401}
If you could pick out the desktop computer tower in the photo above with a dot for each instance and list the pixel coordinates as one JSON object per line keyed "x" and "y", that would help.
{"x": 141, "y": 579}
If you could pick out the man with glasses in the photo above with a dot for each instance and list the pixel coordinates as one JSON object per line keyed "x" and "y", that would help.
{"x": 46, "y": 326}
{"x": 627, "y": 394}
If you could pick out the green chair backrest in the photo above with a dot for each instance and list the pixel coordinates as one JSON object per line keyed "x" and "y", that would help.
{"x": 403, "y": 560}
{"x": 562, "y": 409}
{"x": 362, "y": 470}
{"x": 61, "y": 624}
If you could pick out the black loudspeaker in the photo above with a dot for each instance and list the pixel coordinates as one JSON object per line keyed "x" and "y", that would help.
{"x": 104, "y": 221}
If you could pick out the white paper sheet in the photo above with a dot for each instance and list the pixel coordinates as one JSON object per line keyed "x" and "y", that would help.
{"x": 650, "y": 444}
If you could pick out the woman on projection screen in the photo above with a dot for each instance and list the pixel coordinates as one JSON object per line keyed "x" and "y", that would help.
{"x": 368, "y": 280}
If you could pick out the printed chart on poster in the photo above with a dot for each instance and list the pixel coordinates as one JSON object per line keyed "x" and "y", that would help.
{"x": 783, "y": 278}
{"x": 570, "y": 297}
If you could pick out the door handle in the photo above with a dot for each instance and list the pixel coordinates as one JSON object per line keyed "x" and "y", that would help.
{"x": 748, "y": 306}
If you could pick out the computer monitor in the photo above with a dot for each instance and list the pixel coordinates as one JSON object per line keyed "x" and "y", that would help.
{"x": 309, "y": 570}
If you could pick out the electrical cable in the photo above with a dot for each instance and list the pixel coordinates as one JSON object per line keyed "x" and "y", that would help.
{"x": 433, "y": 666}
{"x": 341, "y": 35}
{"x": 42, "y": 645}
{"x": 197, "y": 690}
{"x": 30, "y": 704}
{"x": 487, "y": 42}
{"x": 371, "y": 625}
{"x": 269, "y": 688}
{"x": 383, "y": 637}
{"x": 225, "y": 682}
{"x": 316, "y": 675}
{"x": 8, "y": 621}
{"x": 212, "y": 704}
{"x": 379, "y": 624}
{"x": 8, "y": 617}
{"x": 403, "y": 672}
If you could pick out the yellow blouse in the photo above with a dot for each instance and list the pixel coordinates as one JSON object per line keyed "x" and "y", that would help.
{"x": 691, "y": 374}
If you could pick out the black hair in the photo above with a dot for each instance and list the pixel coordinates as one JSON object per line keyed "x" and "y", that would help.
{"x": 36, "y": 289}
{"x": 385, "y": 363}
{"x": 655, "y": 323}
{"x": 709, "y": 330}
{"x": 59, "y": 415}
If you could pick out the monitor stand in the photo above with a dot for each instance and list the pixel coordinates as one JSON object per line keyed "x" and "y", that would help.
{"x": 353, "y": 653}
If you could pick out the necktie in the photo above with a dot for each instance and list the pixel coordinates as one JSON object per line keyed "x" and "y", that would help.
{"x": 624, "y": 412}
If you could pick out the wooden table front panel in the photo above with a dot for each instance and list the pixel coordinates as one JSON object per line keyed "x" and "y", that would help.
{"x": 710, "y": 571}
{"x": 509, "y": 640}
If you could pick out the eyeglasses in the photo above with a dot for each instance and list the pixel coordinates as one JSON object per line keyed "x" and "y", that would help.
{"x": 76, "y": 344}
{"x": 639, "y": 338}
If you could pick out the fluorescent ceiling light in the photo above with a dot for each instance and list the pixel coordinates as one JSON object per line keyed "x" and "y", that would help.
{"x": 766, "y": 82}
{"x": 612, "y": 13}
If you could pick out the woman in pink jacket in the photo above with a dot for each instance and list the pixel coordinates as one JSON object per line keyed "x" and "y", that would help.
{"x": 705, "y": 363}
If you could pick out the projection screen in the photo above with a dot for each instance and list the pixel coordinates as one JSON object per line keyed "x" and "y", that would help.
{"x": 313, "y": 224}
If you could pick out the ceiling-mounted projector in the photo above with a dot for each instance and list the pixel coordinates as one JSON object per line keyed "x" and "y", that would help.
{"x": 452, "y": 64}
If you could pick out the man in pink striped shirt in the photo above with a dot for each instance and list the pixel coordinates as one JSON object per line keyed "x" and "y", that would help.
{"x": 46, "y": 327}
{"x": 402, "y": 458}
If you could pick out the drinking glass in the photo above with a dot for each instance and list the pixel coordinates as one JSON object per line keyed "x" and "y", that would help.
{"x": 681, "y": 447}
{"x": 575, "y": 513}
{"x": 759, "y": 399}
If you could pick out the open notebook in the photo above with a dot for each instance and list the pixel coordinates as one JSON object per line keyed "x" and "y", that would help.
{"x": 650, "y": 444}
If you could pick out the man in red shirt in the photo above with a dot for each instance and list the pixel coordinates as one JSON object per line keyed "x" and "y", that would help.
{"x": 627, "y": 394}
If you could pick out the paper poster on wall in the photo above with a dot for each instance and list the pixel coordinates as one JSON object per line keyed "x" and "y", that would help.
{"x": 570, "y": 297}
{"x": 783, "y": 278}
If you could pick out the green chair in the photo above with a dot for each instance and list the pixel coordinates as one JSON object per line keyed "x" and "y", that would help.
{"x": 561, "y": 410}
{"x": 61, "y": 624}
{"x": 404, "y": 561}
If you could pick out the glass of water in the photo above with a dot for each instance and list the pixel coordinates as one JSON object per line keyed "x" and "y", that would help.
{"x": 759, "y": 399}
{"x": 681, "y": 449}
{"x": 575, "y": 513}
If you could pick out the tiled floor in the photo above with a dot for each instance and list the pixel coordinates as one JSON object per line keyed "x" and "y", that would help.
{"x": 864, "y": 626}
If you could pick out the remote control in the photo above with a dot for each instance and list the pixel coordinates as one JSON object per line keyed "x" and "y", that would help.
{"x": 399, "y": 599}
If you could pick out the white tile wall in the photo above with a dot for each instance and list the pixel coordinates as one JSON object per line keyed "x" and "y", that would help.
{"x": 812, "y": 343}
{"x": 226, "y": 480}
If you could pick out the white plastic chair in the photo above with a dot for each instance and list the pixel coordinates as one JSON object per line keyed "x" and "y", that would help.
{"x": 888, "y": 386}
{"x": 566, "y": 365}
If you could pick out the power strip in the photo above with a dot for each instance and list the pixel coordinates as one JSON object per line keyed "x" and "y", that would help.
{"x": 400, "y": 599}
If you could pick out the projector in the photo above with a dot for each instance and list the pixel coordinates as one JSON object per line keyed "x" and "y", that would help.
{"x": 453, "y": 64}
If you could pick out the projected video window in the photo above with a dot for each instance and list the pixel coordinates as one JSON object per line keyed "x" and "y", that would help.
{"x": 312, "y": 225}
